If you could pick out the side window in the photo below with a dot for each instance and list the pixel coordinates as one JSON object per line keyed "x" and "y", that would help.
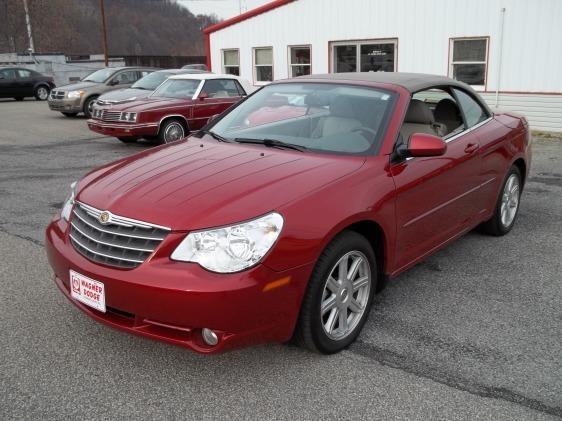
{"x": 125, "y": 78}
{"x": 241, "y": 91}
{"x": 473, "y": 112}
{"x": 221, "y": 88}
{"x": 8, "y": 73}
{"x": 22, "y": 73}
{"x": 433, "y": 111}
{"x": 143, "y": 73}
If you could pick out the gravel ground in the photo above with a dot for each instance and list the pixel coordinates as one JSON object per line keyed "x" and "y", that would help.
{"x": 474, "y": 332}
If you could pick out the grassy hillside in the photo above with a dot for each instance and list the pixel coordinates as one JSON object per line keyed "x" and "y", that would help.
{"x": 134, "y": 27}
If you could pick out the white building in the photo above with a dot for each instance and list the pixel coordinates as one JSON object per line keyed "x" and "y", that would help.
{"x": 509, "y": 50}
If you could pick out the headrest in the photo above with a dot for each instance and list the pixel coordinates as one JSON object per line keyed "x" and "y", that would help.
{"x": 418, "y": 113}
{"x": 447, "y": 109}
{"x": 341, "y": 106}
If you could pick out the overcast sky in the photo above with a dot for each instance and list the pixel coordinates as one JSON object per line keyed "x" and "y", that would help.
{"x": 224, "y": 9}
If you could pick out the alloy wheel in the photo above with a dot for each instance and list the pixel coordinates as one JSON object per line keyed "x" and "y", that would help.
{"x": 42, "y": 93}
{"x": 345, "y": 295}
{"x": 510, "y": 200}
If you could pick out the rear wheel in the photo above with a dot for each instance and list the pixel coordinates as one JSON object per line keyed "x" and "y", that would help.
{"x": 41, "y": 93}
{"x": 89, "y": 106}
{"x": 127, "y": 139}
{"x": 70, "y": 114}
{"x": 171, "y": 131}
{"x": 339, "y": 295}
{"x": 507, "y": 205}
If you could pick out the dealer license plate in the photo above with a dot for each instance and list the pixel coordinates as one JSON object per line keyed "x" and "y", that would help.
{"x": 88, "y": 291}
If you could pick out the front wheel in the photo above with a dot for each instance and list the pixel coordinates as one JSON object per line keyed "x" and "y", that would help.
{"x": 41, "y": 93}
{"x": 89, "y": 106}
{"x": 171, "y": 131}
{"x": 339, "y": 295}
{"x": 507, "y": 205}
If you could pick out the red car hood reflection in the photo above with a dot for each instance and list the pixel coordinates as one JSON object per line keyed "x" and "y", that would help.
{"x": 198, "y": 183}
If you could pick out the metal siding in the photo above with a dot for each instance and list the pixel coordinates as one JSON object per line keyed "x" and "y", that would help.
{"x": 532, "y": 53}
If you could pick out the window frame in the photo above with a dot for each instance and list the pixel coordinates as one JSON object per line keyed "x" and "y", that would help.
{"x": 255, "y": 66}
{"x": 224, "y": 66}
{"x": 478, "y": 88}
{"x": 358, "y": 43}
{"x": 290, "y": 64}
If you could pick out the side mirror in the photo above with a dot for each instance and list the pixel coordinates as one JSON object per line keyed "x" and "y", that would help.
{"x": 214, "y": 116}
{"x": 203, "y": 95}
{"x": 113, "y": 82}
{"x": 422, "y": 144}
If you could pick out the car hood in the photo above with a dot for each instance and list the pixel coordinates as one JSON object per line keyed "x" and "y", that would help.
{"x": 124, "y": 95}
{"x": 150, "y": 104}
{"x": 77, "y": 86}
{"x": 198, "y": 184}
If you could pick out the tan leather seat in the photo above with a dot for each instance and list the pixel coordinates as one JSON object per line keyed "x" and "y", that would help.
{"x": 342, "y": 119}
{"x": 419, "y": 119}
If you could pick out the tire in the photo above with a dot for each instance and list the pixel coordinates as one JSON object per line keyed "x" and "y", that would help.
{"x": 507, "y": 205}
{"x": 18, "y": 98}
{"x": 70, "y": 114}
{"x": 42, "y": 93}
{"x": 127, "y": 139}
{"x": 316, "y": 328}
{"x": 88, "y": 104}
{"x": 171, "y": 131}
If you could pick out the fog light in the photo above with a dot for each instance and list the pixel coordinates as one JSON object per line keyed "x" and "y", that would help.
{"x": 210, "y": 337}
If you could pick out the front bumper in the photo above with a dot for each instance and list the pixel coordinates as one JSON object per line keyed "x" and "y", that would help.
{"x": 123, "y": 129}
{"x": 172, "y": 301}
{"x": 65, "y": 105}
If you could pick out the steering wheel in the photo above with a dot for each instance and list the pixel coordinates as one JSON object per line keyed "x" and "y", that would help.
{"x": 365, "y": 131}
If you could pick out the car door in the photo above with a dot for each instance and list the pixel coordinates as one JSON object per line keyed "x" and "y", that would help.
{"x": 435, "y": 196}
{"x": 8, "y": 87}
{"x": 215, "y": 96}
{"x": 25, "y": 82}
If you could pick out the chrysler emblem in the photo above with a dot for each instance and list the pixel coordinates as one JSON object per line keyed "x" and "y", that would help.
{"x": 104, "y": 217}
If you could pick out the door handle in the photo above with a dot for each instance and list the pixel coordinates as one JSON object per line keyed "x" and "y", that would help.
{"x": 471, "y": 147}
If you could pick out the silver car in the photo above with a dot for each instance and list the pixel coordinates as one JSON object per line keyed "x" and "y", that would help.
{"x": 80, "y": 97}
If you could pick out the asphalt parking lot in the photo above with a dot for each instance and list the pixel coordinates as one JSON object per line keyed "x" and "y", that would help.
{"x": 474, "y": 332}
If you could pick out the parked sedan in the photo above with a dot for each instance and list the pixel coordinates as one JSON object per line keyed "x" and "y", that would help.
{"x": 80, "y": 97}
{"x": 143, "y": 87}
{"x": 181, "y": 104}
{"x": 18, "y": 83}
{"x": 249, "y": 233}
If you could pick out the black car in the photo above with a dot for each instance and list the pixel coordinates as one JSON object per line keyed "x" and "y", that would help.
{"x": 18, "y": 83}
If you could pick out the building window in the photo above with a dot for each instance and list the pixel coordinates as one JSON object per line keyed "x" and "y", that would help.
{"x": 364, "y": 56}
{"x": 231, "y": 62}
{"x": 263, "y": 64}
{"x": 299, "y": 61}
{"x": 468, "y": 60}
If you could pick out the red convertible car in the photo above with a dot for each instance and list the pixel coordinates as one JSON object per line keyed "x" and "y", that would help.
{"x": 280, "y": 227}
{"x": 181, "y": 104}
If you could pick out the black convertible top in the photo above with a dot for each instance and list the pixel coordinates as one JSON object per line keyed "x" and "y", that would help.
{"x": 412, "y": 82}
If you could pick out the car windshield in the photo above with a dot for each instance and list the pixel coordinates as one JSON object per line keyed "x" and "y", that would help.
{"x": 177, "y": 88}
{"x": 151, "y": 81}
{"x": 323, "y": 117}
{"x": 100, "y": 75}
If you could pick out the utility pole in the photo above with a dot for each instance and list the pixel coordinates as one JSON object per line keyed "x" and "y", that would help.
{"x": 104, "y": 33}
{"x": 28, "y": 24}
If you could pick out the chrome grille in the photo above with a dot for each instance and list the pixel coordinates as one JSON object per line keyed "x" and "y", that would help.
{"x": 120, "y": 242}
{"x": 57, "y": 94}
{"x": 107, "y": 115}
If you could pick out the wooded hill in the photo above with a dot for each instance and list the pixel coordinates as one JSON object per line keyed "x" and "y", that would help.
{"x": 73, "y": 27}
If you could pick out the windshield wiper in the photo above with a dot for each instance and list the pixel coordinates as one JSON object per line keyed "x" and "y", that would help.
{"x": 216, "y": 136}
{"x": 272, "y": 143}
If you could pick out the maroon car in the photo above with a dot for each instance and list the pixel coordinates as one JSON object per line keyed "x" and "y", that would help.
{"x": 276, "y": 223}
{"x": 181, "y": 104}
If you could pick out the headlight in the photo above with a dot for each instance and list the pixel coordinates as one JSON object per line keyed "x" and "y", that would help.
{"x": 132, "y": 117}
{"x": 69, "y": 203}
{"x": 233, "y": 248}
{"x": 74, "y": 94}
